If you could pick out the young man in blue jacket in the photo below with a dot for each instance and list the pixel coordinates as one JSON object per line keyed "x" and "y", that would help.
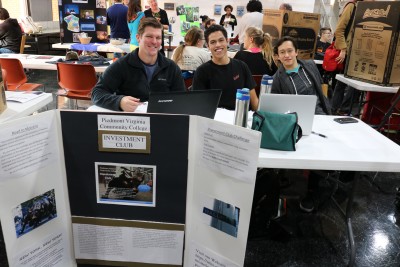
{"x": 128, "y": 81}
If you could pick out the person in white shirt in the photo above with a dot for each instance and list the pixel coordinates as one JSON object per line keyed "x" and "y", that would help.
{"x": 189, "y": 55}
{"x": 228, "y": 20}
{"x": 253, "y": 18}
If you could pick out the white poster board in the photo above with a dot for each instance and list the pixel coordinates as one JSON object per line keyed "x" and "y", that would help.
{"x": 221, "y": 178}
{"x": 34, "y": 207}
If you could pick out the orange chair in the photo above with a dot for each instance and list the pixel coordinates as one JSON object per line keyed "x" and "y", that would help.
{"x": 76, "y": 81}
{"x": 257, "y": 79}
{"x": 13, "y": 74}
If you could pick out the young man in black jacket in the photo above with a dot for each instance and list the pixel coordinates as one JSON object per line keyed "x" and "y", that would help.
{"x": 128, "y": 81}
{"x": 10, "y": 33}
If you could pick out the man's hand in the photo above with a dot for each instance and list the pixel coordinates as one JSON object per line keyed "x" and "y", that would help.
{"x": 129, "y": 103}
{"x": 342, "y": 56}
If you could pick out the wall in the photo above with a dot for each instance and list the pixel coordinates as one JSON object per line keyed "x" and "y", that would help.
{"x": 207, "y": 8}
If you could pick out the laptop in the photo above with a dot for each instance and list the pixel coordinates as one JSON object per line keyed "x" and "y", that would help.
{"x": 202, "y": 102}
{"x": 304, "y": 105}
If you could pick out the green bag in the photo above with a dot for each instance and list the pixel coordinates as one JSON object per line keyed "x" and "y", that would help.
{"x": 279, "y": 131}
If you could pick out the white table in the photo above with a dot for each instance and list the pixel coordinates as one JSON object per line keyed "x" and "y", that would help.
{"x": 39, "y": 61}
{"x": 364, "y": 86}
{"x": 18, "y": 110}
{"x": 100, "y": 47}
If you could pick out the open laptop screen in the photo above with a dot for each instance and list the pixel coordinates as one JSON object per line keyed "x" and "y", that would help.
{"x": 303, "y": 105}
{"x": 203, "y": 102}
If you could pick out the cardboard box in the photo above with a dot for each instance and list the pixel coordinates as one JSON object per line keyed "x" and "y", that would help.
{"x": 303, "y": 27}
{"x": 3, "y": 102}
{"x": 375, "y": 51}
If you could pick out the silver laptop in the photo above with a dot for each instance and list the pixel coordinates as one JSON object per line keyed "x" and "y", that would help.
{"x": 304, "y": 105}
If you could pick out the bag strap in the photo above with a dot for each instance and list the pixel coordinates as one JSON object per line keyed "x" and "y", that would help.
{"x": 348, "y": 27}
{"x": 258, "y": 121}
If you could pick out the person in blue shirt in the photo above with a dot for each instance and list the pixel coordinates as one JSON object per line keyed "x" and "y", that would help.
{"x": 116, "y": 18}
{"x": 135, "y": 14}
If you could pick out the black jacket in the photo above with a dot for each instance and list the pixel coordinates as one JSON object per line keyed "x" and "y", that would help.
{"x": 10, "y": 35}
{"x": 127, "y": 77}
{"x": 283, "y": 85}
{"x": 221, "y": 22}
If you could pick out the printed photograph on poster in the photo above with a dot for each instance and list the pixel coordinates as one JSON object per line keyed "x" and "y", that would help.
{"x": 80, "y": 1}
{"x": 88, "y": 27}
{"x": 169, "y": 6}
{"x": 87, "y": 14}
{"x": 75, "y": 37}
{"x": 189, "y": 14}
{"x": 70, "y": 9}
{"x": 72, "y": 23}
{"x": 102, "y": 20}
{"x": 220, "y": 215}
{"x": 196, "y": 15}
{"x": 100, "y": 3}
{"x": 102, "y": 35}
{"x": 217, "y": 9}
{"x": 35, "y": 212}
{"x": 180, "y": 10}
{"x": 125, "y": 184}
{"x": 240, "y": 11}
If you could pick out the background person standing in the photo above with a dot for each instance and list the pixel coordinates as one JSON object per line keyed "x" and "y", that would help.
{"x": 161, "y": 15}
{"x": 228, "y": 20}
{"x": 116, "y": 18}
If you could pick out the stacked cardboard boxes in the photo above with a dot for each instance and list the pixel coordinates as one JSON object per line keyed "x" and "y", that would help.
{"x": 375, "y": 51}
{"x": 303, "y": 27}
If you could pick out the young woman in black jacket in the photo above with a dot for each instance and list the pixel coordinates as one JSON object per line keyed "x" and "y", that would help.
{"x": 228, "y": 20}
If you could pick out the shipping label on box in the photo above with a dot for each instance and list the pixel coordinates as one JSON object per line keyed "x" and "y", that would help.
{"x": 303, "y": 27}
{"x": 374, "y": 54}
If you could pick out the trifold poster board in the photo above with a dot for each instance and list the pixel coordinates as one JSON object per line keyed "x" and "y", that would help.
{"x": 125, "y": 189}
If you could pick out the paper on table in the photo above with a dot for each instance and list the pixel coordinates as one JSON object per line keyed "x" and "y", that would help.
{"x": 22, "y": 97}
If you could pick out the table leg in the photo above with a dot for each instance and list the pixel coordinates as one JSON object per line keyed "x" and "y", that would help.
{"x": 347, "y": 217}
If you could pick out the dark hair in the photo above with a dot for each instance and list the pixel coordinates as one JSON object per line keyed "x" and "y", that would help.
{"x": 321, "y": 31}
{"x": 287, "y": 6}
{"x": 134, "y": 7}
{"x": 4, "y": 14}
{"x": 254, "y": 6}
{"x": 282, "y": 40}
{"x": 204, "y": 18}
{"x": 149, "y": 22}
{"x": 228, "y": 6}
{"x": 215, "y": 28}
{"x": 208, "y": 23}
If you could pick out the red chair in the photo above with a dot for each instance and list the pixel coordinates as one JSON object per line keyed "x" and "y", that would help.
{"x": 76, "y": 81}
{"x": 13, "y": 74}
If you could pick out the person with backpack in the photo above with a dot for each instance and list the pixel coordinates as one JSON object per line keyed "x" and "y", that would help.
{"x": 341, "y": 102}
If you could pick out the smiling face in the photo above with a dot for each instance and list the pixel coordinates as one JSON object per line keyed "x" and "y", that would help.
{"x": 218, "y": 46}
{"x": 153, "y": 4}
{"x": 149, "y": 44}
{"x": 287, "y": 55}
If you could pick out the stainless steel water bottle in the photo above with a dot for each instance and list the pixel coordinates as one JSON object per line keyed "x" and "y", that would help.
{"x": 242, "y": 107}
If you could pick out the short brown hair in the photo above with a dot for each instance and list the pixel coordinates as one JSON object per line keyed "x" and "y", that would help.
{"x": 4, "y": 14}
{"x": 148, "y": 22}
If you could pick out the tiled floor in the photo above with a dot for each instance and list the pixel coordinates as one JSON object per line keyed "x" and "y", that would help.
{"x": 319, "y": 238}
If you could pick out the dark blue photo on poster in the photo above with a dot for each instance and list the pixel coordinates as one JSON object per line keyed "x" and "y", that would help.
{"x": 71, "y": 9}
{"x": 88, "y": 27}
{"x": 34, "y": 212}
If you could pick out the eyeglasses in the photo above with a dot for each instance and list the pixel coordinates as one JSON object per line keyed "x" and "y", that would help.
{"x": 329, "y": 33}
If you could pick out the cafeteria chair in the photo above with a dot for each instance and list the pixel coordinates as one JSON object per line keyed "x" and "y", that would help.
{"x": 76, "y": 81}
{"x": 14, "y": 75}
{"x": 390, "y": 121}
{"x": 23, "y": 44}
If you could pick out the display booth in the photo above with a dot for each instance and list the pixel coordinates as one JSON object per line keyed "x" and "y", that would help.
{"x": 118, "y": 189}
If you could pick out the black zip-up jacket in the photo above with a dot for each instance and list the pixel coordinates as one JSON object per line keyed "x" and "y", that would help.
{"x": 127, "y": 77}
{"x": 283, "y": 85}
{"x": 10, "y": 35}
{"x": 221, "y": 22}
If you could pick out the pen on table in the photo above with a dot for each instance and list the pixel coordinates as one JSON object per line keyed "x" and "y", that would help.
{"x": 322, "y": 135}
